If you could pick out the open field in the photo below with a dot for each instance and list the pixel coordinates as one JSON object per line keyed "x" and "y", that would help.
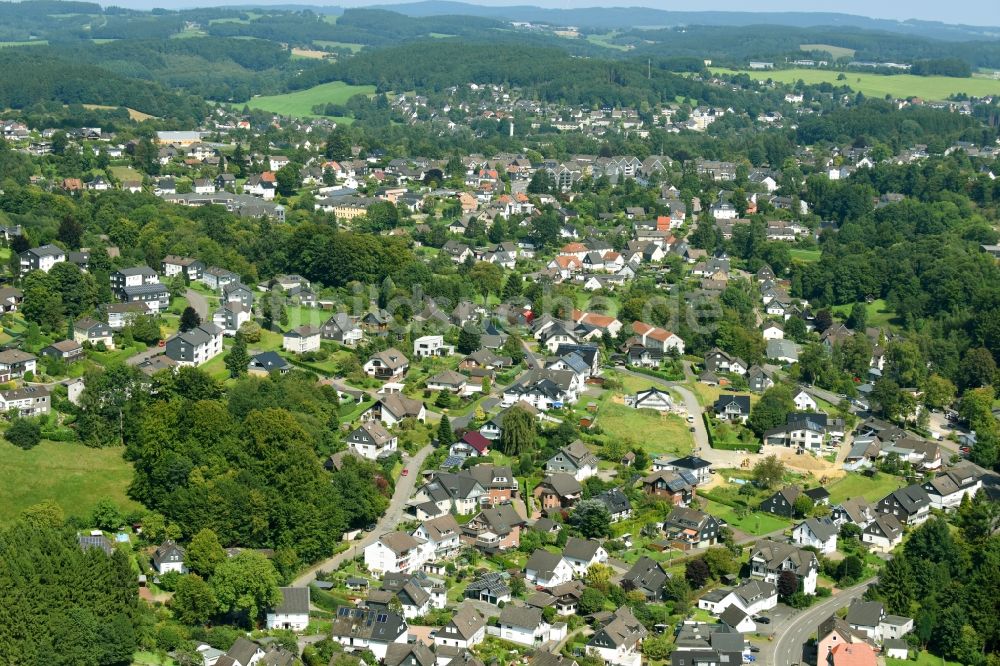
{"x": 349, "y": 46}
{"x": 308, "y": 53}
{"x": 73, "y": 475}
{"x": 879, "y": 313}
{"x": 856, "y": 485}
{"x": 836, "y": 51}
{"x": 125, "y": 173}
{"x": 33, "y": 42}
{"x": 755, "y": 523}
{"x": 605, "y": 41}
{"x": 132, "y": 113}
{"x": 924, "y": 658}
{"x": 656, "y": 434}
{"x": 880, "y": 85}
{"x": 300, "y": 103}
{"x": 805, "y": 255}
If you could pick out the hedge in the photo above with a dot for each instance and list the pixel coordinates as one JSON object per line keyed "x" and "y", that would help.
{"x": 659, "y": 375}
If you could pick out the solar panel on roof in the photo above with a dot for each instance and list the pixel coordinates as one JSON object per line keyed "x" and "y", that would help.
{"x": 382, "y": 617}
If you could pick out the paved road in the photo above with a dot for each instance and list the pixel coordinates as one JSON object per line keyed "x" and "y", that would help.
{"x": 144, "y": 355}
{"x": 788, "y": 648}
{"x": 198, "y": 302}
{"x": 392, "y": 517}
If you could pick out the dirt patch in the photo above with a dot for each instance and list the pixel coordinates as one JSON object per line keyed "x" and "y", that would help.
{"x": 310, "y": 53}
{"x": 809, "y": 464}
{"x": 137, "y": 116}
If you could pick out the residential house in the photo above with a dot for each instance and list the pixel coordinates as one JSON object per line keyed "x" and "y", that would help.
{"x": 648, "y": 577}
{"x": 93, "y": 331}
{"x": 883, "y": 533}
{"x": 217, "y": 278}
{"x": 442, "y": 534}
{"x": 190, "y": 268}
{"x": 547, "y": 569}
{"x": 343, "y": 329}
{"x": 769, "y": 558}
{"x": 230, "y": 317}
{"x": 14, "y": 363}
{"x": 524, "y": 625}
{"x": 947, "y": 489}
{"x": 392, "y": 408}
{"x": 855, "y": 510}
{"x": 372, "y": 441}
{"x": 689, "y": 528}
{"x": 752, "y": 597}
{"x": 910, "y": 505}
{"x": 467, "y": 627}
{"x": 238, "y": 293}
{"x": 397, "y": 552}
{"x": 865, "y": 617}
{"x": 699, "y": 468}
{"x": 265, "y": 363}
{"x": 558, "y": 491}
{"x": 448, "y": 380}
{"x": 619, "y": 641}
{"x": 409, "y": 654}
{"x": 431, "y": 345}
{"x": 10, "y": 299}
{"x": 853, "y": 654}
{"x": 652, "y": 398}
{"x": 717, "y": 361}
{"x": 493, "y": 428}
{"x": 26, "y": 401}
{"x": 658, "y": 338}
{"x": 360, "y": 629}
{"x": 66, "y": 350}
{"x": 41, "y": 258}
{"x": 544, "y": 389}
{"x": 472, "y": 443}
{"x": 301, "y": 340}
{"x": 804, "y": 402}
{"x": 574, "y": 459}
{"x": 195, "y": 347}
{"x": 120, "y": 315}
{"x": 494, "y": 529}
{"x": 759, "y": 379}
{"x": 155, "y": 296}
{"x": 169, "y": 557}
{"x": 292, "y": 613}
{"x": 491, "y": 587}
{"x": 782, "y": 503}
{"x": 820, "y": 533}
{"x": 581, "y": 554}
{"x": 732, "y": 408}
{"x": 678, "y": 487}
{"x": 617, "y": 503}
{"x": 835, "y": 634}
{"x": 389, "y": 364}
{"x": 132, "y": 277}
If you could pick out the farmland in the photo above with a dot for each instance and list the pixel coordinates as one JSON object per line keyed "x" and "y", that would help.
{"x": 880, "y": 85}
{"x": 836, "y": 51}
{"x": 301, "y": 103}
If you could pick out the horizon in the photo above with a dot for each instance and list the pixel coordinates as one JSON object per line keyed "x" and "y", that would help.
{"x": 975, "y": 13}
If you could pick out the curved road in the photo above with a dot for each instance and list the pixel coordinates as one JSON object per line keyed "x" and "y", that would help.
{"x": 787, "y": 649}
{"x": 388, "y": 522}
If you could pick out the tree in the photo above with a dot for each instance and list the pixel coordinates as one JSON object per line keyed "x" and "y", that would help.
{"x": 70, "y": 231}
{"x": 287, "y": 179}
{"x": 720, "y": 561}
{"x": 590, "y": 517}
{"x": 445, "y": 435}
{"x": 194, "y": 600}
{"x": 939, "y": 392}
{"x": 513, "y": 348}
{"x": 468, "y": 340}
{"x": 238, "y": 357}
{"x": 978, "y": 368}
{"x": 204, "y": 553}
{"x": 788, "y": 584}
{"x": 895, "y": 585}
{"x": 517, "y": 433}
{"x": 697, "y": 573}
{"x": 772, "y": 410}
{"x": 24, "y": 433}
{"x": 541, "y": 182}
{"x": 802, "y": 506}
{"x": 338, "y": 145}
{"x": 251, "y": 331}
{"x": 769, "y": 472}
{"x": 189, "y": 319}
{"x": 487, "y": 278}
{"x": 591, "y": 601}
{"x": 657, "y": 647}
{"x": 246, "y": 584}
{"x": 145, "y": 328}
{"x": 889, "y": 398}
{"x": 850, "y": 569}
{"x": 106, "y": 514}
{"x": 858, "y": 319}
{"x": 511, "y": 288}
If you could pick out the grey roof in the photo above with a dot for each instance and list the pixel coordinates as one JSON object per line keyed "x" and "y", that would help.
{"x": 523, "y": 617}
{"x": 583, "y": 550}
{"x": 380, "y": 626}
{"x": 294, "y": 600}
{"x": 409, "y": 654}
{"x": 546, "y": 658}
{"x": 732, "y": 616}
{"x": 243, "y": 650}
{"x": 911, "y": 498}
{"x": 465, "y": 622}
{"x": 543, "y": 563}
{"x": 865, "y": 613}
{"x": 399, "y": 542}
{"x": 774, "y": 554}
{"x": 648, "y": 575}
{"x": 822, "y": 528}
{"x": 144, "y": 289}
{"x": 623, "y": 629}
{"x": 615, "y": 500}
{"x": 562, "y": 484}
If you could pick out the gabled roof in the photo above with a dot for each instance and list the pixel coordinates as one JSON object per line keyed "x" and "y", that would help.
{"x": 543, "y": 563}
{"x": 294, "y": 600}
{"x": 821, "y": 528}
{"x": 583, "y": 550}
{"x": 773, "y": 554}
{"x": 523, "y": 617}
{"x": 563, "y": 485}
{"x": 623, "y": 630}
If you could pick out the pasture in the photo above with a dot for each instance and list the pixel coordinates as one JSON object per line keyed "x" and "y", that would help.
{"x": 301, "y": 102}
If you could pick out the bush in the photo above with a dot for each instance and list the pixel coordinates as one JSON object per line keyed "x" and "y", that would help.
{"x": 24, "y": 433}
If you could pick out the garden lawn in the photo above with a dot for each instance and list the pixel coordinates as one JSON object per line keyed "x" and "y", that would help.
{"x": 858, "y": 485}
{"x": 805, "y": 255}
{"x": 924, "y": 658}
{"x": 72, "y": 474}
{"x": 879, "y": 313}
{"x": 301, "y": 103}
{"x": 937, "y": 88}
{"x": 656, "y": 434}
{"x": 755, "y": 523}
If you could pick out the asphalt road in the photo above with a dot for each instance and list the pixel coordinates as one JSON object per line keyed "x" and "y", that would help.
{"x": 198, "y": 302}
{"x": 792, "y": 637}
{"x": 392, "y": 517}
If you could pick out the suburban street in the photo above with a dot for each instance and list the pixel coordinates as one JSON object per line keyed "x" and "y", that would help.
{"x": 392, "y": 517}
{"x": 787, "y": 649}
{"x": 198, "y": 302}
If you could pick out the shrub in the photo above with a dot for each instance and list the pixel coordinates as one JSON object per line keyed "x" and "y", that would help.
{"x": 24, "y": 433}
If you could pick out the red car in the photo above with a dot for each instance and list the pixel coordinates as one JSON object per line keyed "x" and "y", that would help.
{"x": 405, "y": 471}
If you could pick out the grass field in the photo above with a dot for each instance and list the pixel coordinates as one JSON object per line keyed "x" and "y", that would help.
{"x": 805, "y": 255}
{"x": 605, "y": 41}
{"x": 71, "y": 474}
{"x": 125, "y": 173}
{"x": 856, "y": 485}
{"x": 879, "y": 313}
{"x": 132, "y": 113}
{"x": 755, "y": 523}
{"x": 33, "y": 42}
{"x": 350, "y": 46}
{"x": 924, "y": 658}
{"x": 836, "y": 51}
{"x": 880, "y": 85}
{"x": 301, "y": 103}
{"x": 656, "y": 434}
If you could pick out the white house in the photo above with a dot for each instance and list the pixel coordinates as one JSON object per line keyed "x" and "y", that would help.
{"x": 581, "y": 554}
{"x": 773, "y": 331}
{"x": 883, "y": 533}
{"x": 360, "y": 629}
{"x": 293, "y": 611}
{"x": 753, "y": 598}
{"x": 804, "y": 402}
{"x": 431, "y": 345}
{"x": 372, "y": 441}
{"x": 301, "y": 340}
{"x": 820, "y": 533}
{"x": 441, "y": 534}
{"x": 467, "y": 628}
{"x": 397, "y": 552}
{"x": 619, "y": 642}
{"x": 169, "y": 557}
{"x": 195, "y": 347}
{"x": 769, "y": 558}
{"x": 547, "y": 569}
{"x": 524, "y": 625}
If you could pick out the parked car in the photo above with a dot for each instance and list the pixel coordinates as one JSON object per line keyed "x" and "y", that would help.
{"x": 762, "y": 619}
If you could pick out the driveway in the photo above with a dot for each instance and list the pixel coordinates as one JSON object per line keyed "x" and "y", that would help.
{"x": 144, "y": 355}
{"x": 793, "y": 634}
{"x": 392, "y": 517}
{"x": 198, "y": 302}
